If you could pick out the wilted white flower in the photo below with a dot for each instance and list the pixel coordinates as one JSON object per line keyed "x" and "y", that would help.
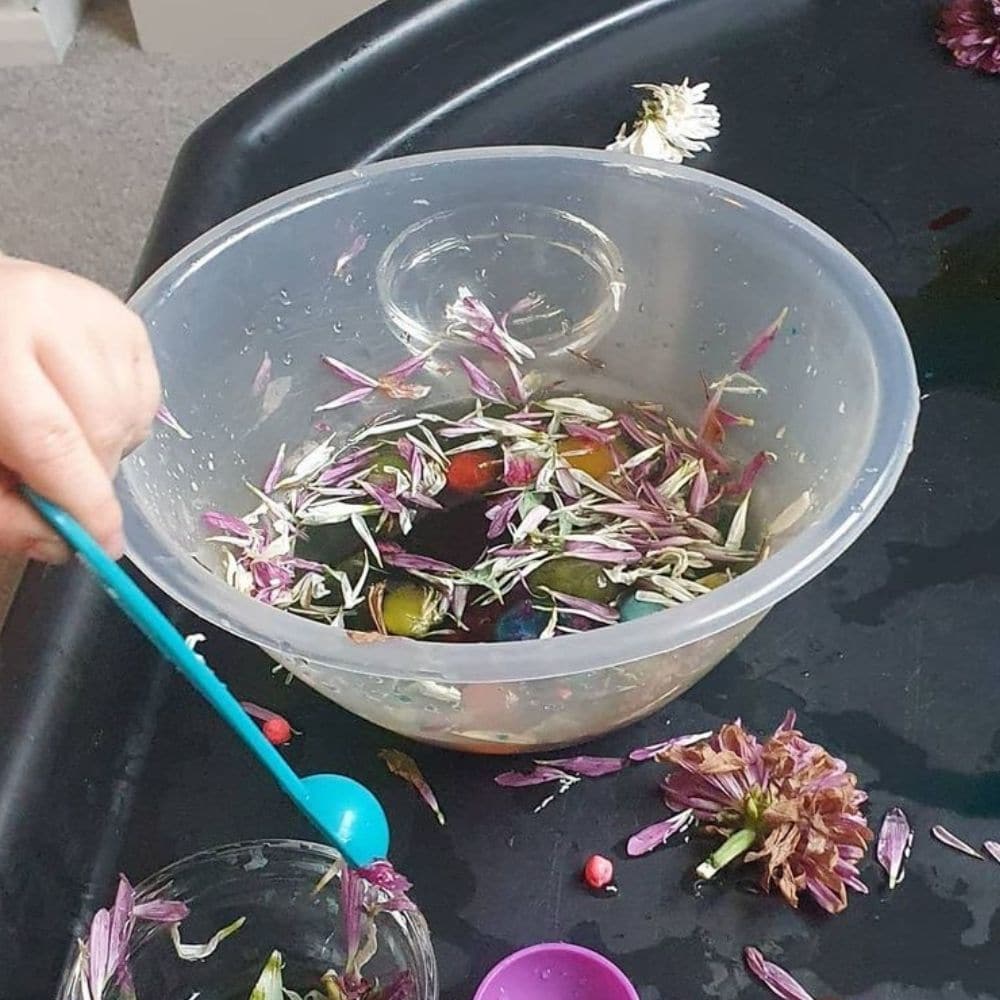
{"x": 672, "y": 125}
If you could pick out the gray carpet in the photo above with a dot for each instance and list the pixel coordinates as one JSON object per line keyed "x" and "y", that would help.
{"x": 85, "y": 148}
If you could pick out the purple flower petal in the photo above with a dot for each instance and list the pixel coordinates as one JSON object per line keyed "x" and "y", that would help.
{"x": 538, "y": 776}
{"x": 894, "y": 842}
{"x": 386, "y": 500}
{"x": 762, "y": 342}
{"x": 598, "y": 553}
{"x": 698, "y": 496}
{"x": 531, "y": 521}
{"x": 481, "y": 384}
{"x": 588, "y": 432}
{"x": 165, "y": 417}
{"x": 651, "y": 751}
{"x": 226, "y": 523}
{"x": 407, "y": 367}
{"x": 393, "y": 555}
{"x": 404, "y": 766}
{"x": 357, "y": 246}
{"x": 354, "y": 396}
{"x": 274, "y": 473}
{"x": 100, "y": 957}
{"x": 586, "y": 767}
{"x": 949, "y": 839}
{"x": 263, "y": 376}
{"x": 258, "y": 712}
{"x": 601, "y": 612}
{"x": 401, "y": 987}
{"x": 349, "y": 374}
{"x": 162, "y": 911}
{"x": 659, "y": 833}
{"x": 641, "y": 435}
{"x": 500, "y": 514}
{"x": 992, "y": 849}
{"x": 779, "y": 982}
{"x": 750, "y": 473}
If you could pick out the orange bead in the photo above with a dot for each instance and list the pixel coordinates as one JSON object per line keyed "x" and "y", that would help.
{"x": 597, "y": 460}
{"x": 472, "y": 471}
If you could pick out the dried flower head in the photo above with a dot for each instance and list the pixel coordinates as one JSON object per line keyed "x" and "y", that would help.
{"x": 970, "y": 29}
{"x": 672, "y": 125}
{"x": 785, "y": 802}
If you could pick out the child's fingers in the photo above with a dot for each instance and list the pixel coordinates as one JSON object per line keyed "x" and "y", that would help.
{"x": 42, "y": 443}
{"x": 22, "y": 530}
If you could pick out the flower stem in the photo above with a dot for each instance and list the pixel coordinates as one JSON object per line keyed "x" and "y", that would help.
{"x": 737, "y": 844}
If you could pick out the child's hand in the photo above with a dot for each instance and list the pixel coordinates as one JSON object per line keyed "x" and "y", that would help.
{"x": 78, "y": 390}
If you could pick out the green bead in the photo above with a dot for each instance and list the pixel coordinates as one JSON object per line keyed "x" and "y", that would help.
{"x": 411, "y": 609}
{"x": 576, "y": 577}
{"x": 632, "y": 608}
{"x": 385, "y": 462}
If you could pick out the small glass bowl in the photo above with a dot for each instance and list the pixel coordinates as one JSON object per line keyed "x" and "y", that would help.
{"x": 271, "y": 883}
{"x": 488, "y": 248}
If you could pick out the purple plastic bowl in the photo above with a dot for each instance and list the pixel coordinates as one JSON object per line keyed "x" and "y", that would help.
{"x": 556, "y": 972}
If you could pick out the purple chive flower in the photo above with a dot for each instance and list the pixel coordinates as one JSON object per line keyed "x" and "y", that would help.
{"x": 787, "y": 801}
{"x": 654, "y": 836}
{"x": 894, "y": 842}
{"x": 970, "y": 30}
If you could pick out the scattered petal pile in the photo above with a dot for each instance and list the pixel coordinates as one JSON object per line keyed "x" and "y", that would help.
{"x": 579, "y": 514}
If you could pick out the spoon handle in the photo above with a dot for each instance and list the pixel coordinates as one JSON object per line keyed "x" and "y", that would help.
{"x": 155, "y": 625}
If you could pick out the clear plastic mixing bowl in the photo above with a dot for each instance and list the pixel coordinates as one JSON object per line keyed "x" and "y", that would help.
{"x": 659, "y": 273}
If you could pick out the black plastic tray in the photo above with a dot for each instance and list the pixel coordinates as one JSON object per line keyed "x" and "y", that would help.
{"x": 847, "y": 111}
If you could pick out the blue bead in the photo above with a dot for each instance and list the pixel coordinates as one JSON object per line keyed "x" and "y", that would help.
{"x": 632, "y": 608}
{"x": 518, "y": 623}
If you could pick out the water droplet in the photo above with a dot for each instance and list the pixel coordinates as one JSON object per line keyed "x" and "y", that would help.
{"x": 248, "y": 330}
{"x": 286, "y": 358}
{"x": 348, "y": 278}
{"x": 337, "y": 327}
{"x": 283, "y": 296}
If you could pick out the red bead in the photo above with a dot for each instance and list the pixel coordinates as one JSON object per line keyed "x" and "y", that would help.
{"x": 277, "y": 731}
{"x": 598, "y": 872}
{"x": 472, "y": 471}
